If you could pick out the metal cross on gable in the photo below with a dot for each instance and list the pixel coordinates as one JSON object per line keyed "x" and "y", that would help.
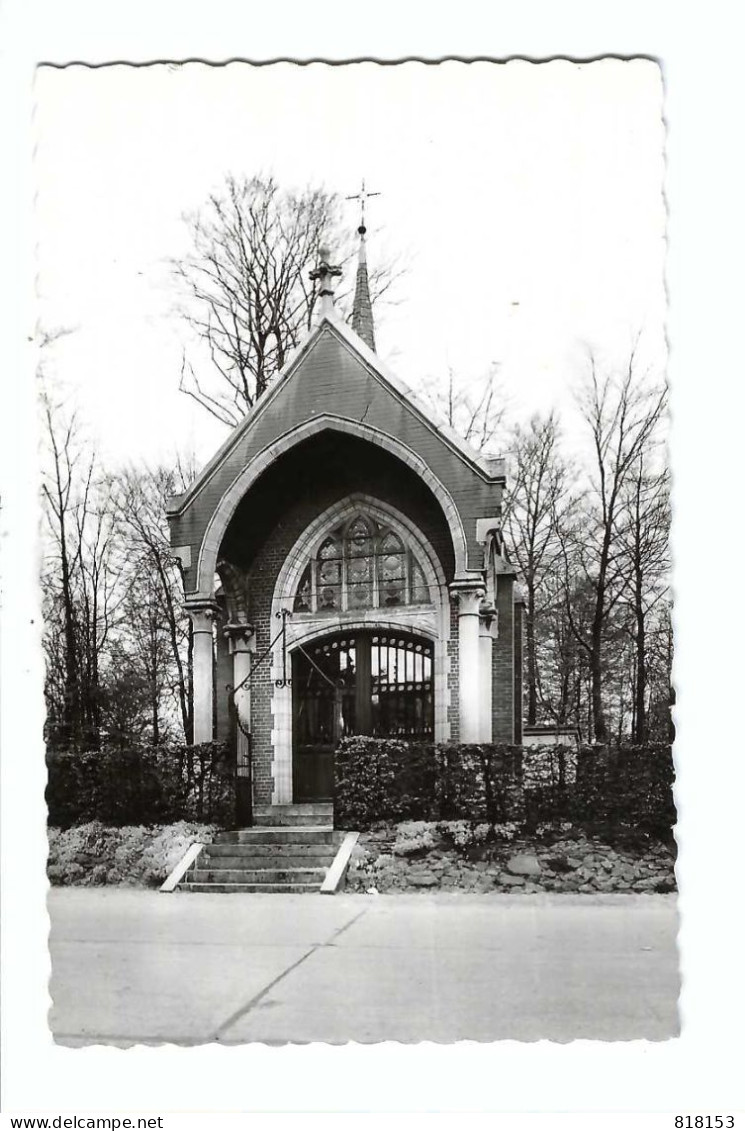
{"x": 363, "y": 196}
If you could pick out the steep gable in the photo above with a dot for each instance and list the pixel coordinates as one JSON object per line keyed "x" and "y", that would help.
{"x": 336, "y": 380}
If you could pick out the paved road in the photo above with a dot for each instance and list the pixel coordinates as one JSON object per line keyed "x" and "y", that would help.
{"x": 133, "y": 966}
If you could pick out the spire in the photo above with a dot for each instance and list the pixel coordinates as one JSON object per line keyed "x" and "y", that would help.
{"x": 362, "y": 316}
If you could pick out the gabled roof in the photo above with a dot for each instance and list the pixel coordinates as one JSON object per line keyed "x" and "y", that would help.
{"x": 334, "y": 382}
{"x": 489, "y": 470}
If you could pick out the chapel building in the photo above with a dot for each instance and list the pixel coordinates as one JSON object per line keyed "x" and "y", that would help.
{"x": 345, "y": 571}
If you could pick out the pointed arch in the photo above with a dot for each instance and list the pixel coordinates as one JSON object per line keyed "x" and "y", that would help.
{"x": 432, "y": 622}
{"x": 225, "y": 508}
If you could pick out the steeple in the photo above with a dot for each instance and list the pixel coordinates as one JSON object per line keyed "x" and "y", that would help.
{"x": 362, "y": 316}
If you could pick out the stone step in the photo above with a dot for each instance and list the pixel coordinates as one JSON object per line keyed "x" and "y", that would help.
{"x": 311, "y": 834}
{"x": 247, "y": 889}
{"x": 321, "y": 808}
{"x": 277, "y": 851}
{"x": 279, "y": 876}
{"x": 254, "y": 860}
{"x": 276, "y": 818}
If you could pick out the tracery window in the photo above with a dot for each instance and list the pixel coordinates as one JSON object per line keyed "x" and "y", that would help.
{"x": 361, "y": 564}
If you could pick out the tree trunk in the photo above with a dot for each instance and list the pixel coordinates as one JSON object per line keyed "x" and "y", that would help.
{"x": 156, "y": 719}
{"x": 600, "y": 730}
{"x": 71, "y": 710}
{"x": 531, "y": 658}
{"x": 189, "y": 721}
{"x": 640, "y": 731}
{"x": 184, "y": 685}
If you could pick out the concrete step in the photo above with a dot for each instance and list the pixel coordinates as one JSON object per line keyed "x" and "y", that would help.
{"x": 321, "y": 808}
{"x": 276, "y": 818}
{"x": 311, "y": 834}
{"x": 246, "y": 889}
{"x": 252, "y": 860}
{"x": 276, "y": 851}
{"x": 210, "y": 876}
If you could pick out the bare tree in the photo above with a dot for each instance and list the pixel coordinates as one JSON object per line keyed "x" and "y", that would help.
{"x": 82, "y": 589}
{"x": 659, "y": 663}
{"x": 534, "y": 503}
{"x": 143, "y": 659}
{"x": 475, "y": 409}
{"x": 644, "y": 537}
{"x": 249, "y": 295}
{"x": 161, "y": 621}
{"x": 622, "y": 411}
{"x": 57, "y": 488}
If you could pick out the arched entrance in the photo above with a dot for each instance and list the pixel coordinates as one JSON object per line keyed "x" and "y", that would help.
{"x": 370, "y": 682}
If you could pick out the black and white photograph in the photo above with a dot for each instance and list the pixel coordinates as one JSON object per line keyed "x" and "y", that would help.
{"x": 356, "y": 576}
{"x": 368, "y": 568}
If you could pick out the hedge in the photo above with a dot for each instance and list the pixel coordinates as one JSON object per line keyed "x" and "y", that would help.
{"x": 141, "y": 786}
{"x": 388, "y": 780}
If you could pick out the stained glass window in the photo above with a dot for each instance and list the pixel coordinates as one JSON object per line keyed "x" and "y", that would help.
{"x": 329, "y": 574}
{"x": 304, "y": 595}
{"x": 362, "y": 564}
{"x": 392, "y": 570}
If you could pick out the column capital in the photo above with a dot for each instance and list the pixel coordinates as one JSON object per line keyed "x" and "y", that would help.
{"x": 469, "y": 595}
{"x": 488, "y": 620}
{"x": 241, "y": 636}
{"x": 203, "y": 614}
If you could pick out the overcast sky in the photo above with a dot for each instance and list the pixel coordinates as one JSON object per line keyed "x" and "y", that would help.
{"x": 526, "y": 200}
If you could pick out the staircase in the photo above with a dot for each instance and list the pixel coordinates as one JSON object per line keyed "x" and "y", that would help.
{"x": 288, "y": 849}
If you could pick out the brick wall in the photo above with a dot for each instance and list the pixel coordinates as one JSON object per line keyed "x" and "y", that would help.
{"x": 519, "y": 610}
{"x": 223, "y": 678}
{"x": 270, "y": 521}
{"x": 503, "y": 658}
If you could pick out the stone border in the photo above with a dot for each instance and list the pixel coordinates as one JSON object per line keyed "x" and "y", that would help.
{"x": 337, "y": 873}
{"x": 183, "y": 866}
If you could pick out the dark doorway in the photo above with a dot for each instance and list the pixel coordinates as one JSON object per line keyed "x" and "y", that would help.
{"x": 375, "y": 683}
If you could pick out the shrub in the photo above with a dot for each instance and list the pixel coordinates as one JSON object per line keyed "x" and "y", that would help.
{"x": 381, "y": 779}
{"x": 141, "y": 785}
{"x": 95, "y": 854}
{"x": 413, "y": 837}
{"x": 627, "y": 789}
{"x": 368, "y": 786}
{"x": 504, "y": 788}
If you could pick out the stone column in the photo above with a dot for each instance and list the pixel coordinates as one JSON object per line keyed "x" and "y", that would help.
{"x": 242, "y": 643}
{"x": 202, "y": 619}
{"x": 469, "y": 680}
{"x": 487, "y": 620}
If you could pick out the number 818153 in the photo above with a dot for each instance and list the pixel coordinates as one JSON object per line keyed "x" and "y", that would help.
{"x": 707, "y": 1121}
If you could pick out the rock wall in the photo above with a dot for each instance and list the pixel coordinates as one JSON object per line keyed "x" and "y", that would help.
{"x": 387, "y": 861}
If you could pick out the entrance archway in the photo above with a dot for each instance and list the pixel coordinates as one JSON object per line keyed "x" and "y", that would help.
{"x": 366, "y": 682}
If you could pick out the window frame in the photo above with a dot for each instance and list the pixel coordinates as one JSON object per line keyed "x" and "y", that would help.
{"x": 341, "y": 534}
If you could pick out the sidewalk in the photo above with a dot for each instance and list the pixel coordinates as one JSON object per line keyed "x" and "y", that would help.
{"x": 137, "y": 966}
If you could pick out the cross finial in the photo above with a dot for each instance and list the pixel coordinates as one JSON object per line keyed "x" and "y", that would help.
{"x": 363, "y": 196}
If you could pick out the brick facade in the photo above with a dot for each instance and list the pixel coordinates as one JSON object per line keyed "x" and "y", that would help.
{"x": 503, "y": 661}
{"x": 333, "y": 383}
{"x": 420, "y": 473}
{"x": 284, "y": 506}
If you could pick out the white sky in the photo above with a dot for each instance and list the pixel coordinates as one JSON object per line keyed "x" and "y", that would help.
{"x": 526, "y": 199}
